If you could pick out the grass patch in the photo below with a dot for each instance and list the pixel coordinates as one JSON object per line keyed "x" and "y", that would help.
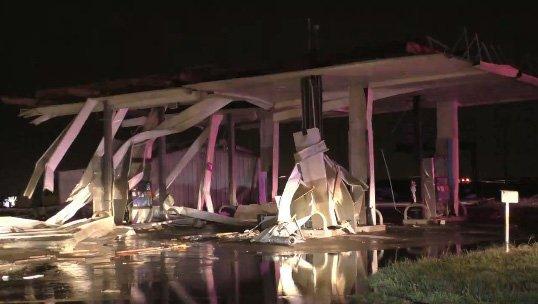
{"x": 488, "y": 276}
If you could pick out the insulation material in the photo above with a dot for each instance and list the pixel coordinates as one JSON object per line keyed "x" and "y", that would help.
{"x": 314, "y": 190}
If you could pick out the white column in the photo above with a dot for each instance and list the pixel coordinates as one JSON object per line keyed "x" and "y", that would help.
{"x": 357, "y": 146}
{"x": 448, "y": 146}
{"x": 205, "y": 195}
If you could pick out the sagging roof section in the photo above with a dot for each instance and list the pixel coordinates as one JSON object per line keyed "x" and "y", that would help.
{"x": 393, "y": 81}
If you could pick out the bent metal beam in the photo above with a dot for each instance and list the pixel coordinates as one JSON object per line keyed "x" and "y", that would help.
{"x": 140, "y": 100}
{"x": 175, "y": 124}
{"x": 54, "y": 154}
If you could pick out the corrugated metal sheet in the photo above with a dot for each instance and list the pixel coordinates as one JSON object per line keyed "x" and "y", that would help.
{"x": 185, "y": 187}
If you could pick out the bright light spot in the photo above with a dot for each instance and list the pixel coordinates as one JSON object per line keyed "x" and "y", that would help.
{"x": 465, "y": 180}
{"x": 9, "y": 202}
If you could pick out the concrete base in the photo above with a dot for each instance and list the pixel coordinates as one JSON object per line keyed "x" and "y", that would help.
{"x": 453, "y": 219}
{"x": 418, "y": 222}
{"x": 375, "y": 228}
{"x": 316, "y": 234}
{"x": 436, "y": 221}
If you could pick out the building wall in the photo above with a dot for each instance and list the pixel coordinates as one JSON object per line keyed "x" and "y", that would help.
{"x": 185, "y": 187}
{"x": 66, "y": 181}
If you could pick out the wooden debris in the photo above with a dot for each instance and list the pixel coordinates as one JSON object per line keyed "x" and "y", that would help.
{"x": 175, "y": 247}
{"x": 226, "y": 236}
{"x": 209, "y": 216}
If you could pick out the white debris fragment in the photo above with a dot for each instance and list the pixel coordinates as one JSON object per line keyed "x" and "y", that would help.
{"x": 5, "y": 278}
{"x": 32, "y": 277}
{"x": 111, "y": 291}
{"x": 9, "y": 202}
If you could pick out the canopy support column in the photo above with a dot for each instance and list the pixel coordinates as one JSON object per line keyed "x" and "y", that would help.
{"x": 447, "y": 146}
{"x": 357, "y": 148}
{"x": 268, "y": 152}
{"x": 417, "y": 115}
{"x": 232, "y": 185}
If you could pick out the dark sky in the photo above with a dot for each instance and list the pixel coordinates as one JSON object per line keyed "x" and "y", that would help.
{"x": 48, "y": 43}
{"x": 54, "y": 43}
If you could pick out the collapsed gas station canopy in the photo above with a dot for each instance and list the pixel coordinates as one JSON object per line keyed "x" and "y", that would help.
{"x": 393, "y": 81}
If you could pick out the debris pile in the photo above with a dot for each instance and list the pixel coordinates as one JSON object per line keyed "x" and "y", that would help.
{"x": 316, "y": 193}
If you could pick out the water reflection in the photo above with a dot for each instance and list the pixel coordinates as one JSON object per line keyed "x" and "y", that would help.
{"x": 321, "y": 277}
{"x": 207, "y": 273}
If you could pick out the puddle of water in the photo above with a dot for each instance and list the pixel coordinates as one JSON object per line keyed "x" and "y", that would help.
{"x": 209, "y": 272}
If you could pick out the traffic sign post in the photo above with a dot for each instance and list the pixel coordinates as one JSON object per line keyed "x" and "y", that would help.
{"x": 508, "y": 197}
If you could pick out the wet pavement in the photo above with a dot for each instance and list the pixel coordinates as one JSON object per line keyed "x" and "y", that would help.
{"x": 159, "y": 267}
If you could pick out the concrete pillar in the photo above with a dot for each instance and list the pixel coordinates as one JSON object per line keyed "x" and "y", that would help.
{"x": 266, "y": 154}
{"x": 417, "y": 117}
{"x": 447, "y": 145}
{"x": 107, "y": 165}
{"x": 232, "y": 187}
{"x": 269, "y": 155}
{"x": 357, "y": 147}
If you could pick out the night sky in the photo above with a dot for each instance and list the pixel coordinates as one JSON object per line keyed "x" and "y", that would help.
{"x": 57, "y": 43}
